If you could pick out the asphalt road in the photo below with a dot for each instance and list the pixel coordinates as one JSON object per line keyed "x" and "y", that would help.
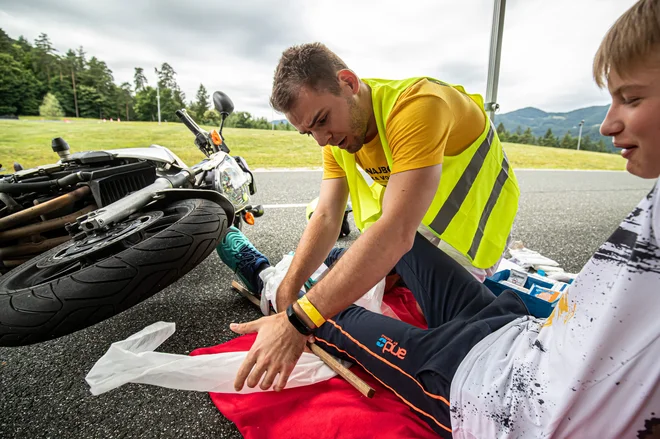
{"x": 564, "y": 215}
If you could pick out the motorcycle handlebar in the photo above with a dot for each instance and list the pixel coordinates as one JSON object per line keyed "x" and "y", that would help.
{"x": 188, "y": 122}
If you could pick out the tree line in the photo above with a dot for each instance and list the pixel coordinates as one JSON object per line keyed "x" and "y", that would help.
{"x": 37, "y": 80}
{"x": 568, "y": 141}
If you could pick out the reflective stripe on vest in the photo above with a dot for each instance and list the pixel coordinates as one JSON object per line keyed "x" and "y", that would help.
{"x": 502, "y": 177}
{"x": 456, "y": 197}
{"x": 477, "y": 199}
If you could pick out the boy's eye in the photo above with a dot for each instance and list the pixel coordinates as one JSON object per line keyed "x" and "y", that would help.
{"x": 628, "y": 101}
{"x": 322, "y": 120}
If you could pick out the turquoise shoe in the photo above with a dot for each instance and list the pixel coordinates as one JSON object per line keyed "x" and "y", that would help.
{"x": 238, "y": 253}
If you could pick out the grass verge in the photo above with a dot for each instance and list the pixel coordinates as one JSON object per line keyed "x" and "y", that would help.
{"x": 27, "y": 141}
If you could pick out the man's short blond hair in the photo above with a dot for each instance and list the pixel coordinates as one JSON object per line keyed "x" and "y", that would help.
{"x": 308, "y": 65}
{"x": 630, "y": 41}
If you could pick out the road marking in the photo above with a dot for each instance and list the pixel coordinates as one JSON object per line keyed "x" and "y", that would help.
{"x": 287, "y": 170}
{"x": 567, "y": 170}
{"x": 268, "y": 170}
{"x": 283, "y": 206}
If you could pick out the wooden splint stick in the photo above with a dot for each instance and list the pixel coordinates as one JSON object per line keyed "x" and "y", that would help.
{"x": 328, "y": 359}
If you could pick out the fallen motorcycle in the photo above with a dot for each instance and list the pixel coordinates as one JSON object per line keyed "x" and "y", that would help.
{"x": 90, "y": 236}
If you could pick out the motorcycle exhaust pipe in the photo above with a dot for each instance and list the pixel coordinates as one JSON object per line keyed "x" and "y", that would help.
{"x": 41, "y": 209}
{"x": 122, "y": 208}
{"x": 46, "y": 226}
{"x": 132, "y": 203}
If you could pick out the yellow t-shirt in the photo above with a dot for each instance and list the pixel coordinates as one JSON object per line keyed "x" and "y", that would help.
{"x": 428, "y": 121}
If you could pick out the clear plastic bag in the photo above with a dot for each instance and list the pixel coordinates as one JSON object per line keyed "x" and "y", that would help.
{"x": 133, "y": 361}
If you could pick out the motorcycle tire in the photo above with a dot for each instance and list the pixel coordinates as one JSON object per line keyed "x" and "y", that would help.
{"x": 33, "y": 310}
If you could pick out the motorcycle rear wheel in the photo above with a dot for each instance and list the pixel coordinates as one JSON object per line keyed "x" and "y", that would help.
{"x": 74, "y": 285}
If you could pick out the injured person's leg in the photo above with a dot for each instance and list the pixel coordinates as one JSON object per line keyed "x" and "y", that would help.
{"x": 416, "y": 364}
{"x": 238, "y": 253}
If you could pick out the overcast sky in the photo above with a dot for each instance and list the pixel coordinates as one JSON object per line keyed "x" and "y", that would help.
{"x": 234, "y": 46}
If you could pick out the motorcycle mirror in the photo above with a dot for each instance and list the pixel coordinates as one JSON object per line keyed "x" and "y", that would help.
{"x": 222, "y": 103}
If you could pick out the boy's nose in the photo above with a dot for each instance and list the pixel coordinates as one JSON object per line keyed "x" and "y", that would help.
{"x": 612, "y": 124}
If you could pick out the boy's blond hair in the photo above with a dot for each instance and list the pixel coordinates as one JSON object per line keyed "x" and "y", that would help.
{"x": 631, "y": 40}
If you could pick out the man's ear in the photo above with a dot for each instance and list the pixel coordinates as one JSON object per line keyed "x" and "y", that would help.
{"x": 348, "y": 78}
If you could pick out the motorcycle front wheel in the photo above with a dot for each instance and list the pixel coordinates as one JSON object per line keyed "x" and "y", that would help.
{"x": 87, "y": 280}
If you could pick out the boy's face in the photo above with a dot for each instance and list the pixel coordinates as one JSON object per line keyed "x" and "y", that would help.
{"x": 633, "y": 120}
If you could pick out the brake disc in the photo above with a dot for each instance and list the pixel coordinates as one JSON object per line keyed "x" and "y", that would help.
{"x": 100, "y": 240}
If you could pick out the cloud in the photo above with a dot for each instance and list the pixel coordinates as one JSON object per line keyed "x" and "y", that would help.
{"x": 234, "y": 46}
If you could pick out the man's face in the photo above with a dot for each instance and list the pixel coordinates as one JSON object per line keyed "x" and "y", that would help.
{"x": 331, "y": 119}
{"x": 633, "y": 120}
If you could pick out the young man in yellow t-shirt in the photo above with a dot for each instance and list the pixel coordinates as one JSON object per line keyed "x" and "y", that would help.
{"x": 430, "y": 128}
{"x": 428, "y": 122}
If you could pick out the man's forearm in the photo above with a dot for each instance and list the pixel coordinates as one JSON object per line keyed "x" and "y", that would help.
{"x": 317, "y": 241}
{"x": 365, "y": 263}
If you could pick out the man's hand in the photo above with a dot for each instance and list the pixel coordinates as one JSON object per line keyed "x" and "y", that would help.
{"x": 275, "y": 352}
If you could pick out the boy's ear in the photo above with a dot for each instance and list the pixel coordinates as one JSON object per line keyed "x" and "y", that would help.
{"x": 348, "y": 78}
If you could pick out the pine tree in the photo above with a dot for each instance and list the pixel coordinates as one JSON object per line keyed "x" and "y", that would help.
{"x": 568, "y": 141}
{"x": 201, "y": 105}
{"x": 125, "y": 99}
{"x": 515, "y": 136}
{"x": 139, "y": 79}
{"x": 166, "y": 77}
{"x": 527, "y": 138}
{"x": 587, "y": 144}
{"x": 549, "y": 139}
{"x": 45, "y": 53}
{"x": 502, "y": 133}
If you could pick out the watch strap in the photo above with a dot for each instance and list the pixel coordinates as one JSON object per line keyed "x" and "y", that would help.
{"x": 296, "y": 321}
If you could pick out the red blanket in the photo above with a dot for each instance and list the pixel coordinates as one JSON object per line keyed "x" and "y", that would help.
{"x": 331, "y": 409}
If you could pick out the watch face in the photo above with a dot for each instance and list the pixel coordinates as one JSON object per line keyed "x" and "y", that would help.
{"x": 297, "y": 322}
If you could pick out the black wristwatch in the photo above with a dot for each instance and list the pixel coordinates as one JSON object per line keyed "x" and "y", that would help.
{"x": 297, "y": 322}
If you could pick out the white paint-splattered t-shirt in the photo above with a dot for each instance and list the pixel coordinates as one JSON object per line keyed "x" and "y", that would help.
{"x": 591, "y": 370}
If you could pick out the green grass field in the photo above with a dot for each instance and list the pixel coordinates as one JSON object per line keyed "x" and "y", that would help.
{"x": 27, "y": 141}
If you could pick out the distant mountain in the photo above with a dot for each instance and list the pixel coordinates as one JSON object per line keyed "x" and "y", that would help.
{"x": 280, "y": 121}
{"x": 560, "y": 123}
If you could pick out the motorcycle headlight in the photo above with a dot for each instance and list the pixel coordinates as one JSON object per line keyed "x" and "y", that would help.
{"x": 230, "y": 180}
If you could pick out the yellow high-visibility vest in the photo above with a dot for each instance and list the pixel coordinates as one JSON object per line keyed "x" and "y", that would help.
{"x": 477, "y": 199}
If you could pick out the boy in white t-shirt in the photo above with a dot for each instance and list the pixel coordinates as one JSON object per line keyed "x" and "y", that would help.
{"x": 592, "y": 370}
{"x": 484, "y": 368}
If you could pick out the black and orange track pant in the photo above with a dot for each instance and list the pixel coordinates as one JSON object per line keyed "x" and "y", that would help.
{"x": 419, "y": 364}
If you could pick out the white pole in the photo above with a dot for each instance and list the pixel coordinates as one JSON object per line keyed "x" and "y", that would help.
{"x": 491, "y": 105}
{"x": 157, "y": 93}
{"x": 580, "y": 135}
{"x": 158, "y": 99}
